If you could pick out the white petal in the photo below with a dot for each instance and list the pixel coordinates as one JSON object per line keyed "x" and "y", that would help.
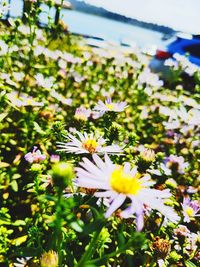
{"x": 127, "y": 167}
{"x": 105, "y": 194}
{"x": 117, "y": 202}
{"x": 90, "y": 167}
{"x": 85, "y": 174}
{"x": 99, "y": 162}
{"x": 92, "y": 184}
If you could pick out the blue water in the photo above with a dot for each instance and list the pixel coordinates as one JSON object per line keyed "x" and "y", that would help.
{"x": 87, "y": 24}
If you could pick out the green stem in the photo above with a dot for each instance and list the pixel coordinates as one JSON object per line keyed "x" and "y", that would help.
{"x": 57, "y": 15}
{"x": 58, "y": 226}
{"x": 161, "y": 223}
{"x": 110, "y": 255}
{"x": 88, "y": 253}
{"x": 182, "y": 254}
{"x": 37, "y": 185}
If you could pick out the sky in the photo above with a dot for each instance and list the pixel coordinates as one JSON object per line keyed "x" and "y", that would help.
{"x": 181, "y": 15}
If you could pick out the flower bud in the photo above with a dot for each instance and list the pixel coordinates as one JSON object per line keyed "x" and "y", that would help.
{"x": 35, "y": 156}
{"x": 147, "y": 155}
{"x": 54, "y": 158}
{"x": 115, "y": 131}
{"x": 161, "y": 247}
{"x": 62, "y": 174}
{"x": 49, "y": 259}
{"x": 145, "y": 159}
{"x": 82, "y": 114}
{"x": 175, "y": 256}
{"x": 181, "y": 231}
{"x": 36, "y": 167}
{"x": 171, "y": 183}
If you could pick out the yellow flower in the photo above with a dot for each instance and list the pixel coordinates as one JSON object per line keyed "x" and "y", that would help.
{"x": 125, "y": 183}
{"x": 49, "y": 259}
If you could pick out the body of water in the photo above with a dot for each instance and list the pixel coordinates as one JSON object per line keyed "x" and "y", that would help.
{"x": 86, "y": 24}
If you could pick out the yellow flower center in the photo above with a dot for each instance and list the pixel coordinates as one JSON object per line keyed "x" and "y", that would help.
{"x": 110, "y": 106}
{"x": 125, "y": 183}
{"x": 90, "y": 145}
{"x": 189, "y": 211}
{"x": 29, "y": 101}
{"x": 80, "y": 117}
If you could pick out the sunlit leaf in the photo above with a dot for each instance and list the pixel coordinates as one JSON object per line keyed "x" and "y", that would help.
{"x": 4, "y": 164}
{"x": 2, "y": 116}
{"x": 190, "y": 264}
{"x": 18, "y": 241}
{"x": 38, "y": 129}
{"x": 14, "y": 185}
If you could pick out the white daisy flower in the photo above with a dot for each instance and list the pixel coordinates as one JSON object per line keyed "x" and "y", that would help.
{"x": 121, "y": 182}
{"x": 176, "y": 163}
{"x": 190, "y": 209}
{"x": 110, "y": 106}
{"x": 96, "y": 114}
{"x": 82, "y": 114}
{"x": 87, "y": 143}
{"x": 23, "y": 100}
{"x": 61, "y": 98}
{"x": 3, "y": 46}
{"x": 149, "y": 78}
{"x": 22, "y": 262}
{"x": 45, "y": 82}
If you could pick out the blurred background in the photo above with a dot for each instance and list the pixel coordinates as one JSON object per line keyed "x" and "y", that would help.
{"x": 145, "y": 23}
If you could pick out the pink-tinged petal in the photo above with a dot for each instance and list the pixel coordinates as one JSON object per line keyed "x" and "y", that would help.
{"x": 128, "y": 212}
{"x": 106, "y": 194}
{"x": 140, "y": 221}
{"x": 35, "y": 156}
{"x": 117, "y": 202}
{"x": 167, "y": 211}
{"x": 138, "y": 205}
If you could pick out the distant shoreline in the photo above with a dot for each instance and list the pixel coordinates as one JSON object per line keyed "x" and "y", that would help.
{"x": 99, "y": 11}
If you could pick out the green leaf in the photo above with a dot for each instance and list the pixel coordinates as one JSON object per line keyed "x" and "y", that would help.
{"x": 4, "y": 222}
{"x": 190, "y": 264}
{"x": 4, "y": 164}
{"x": 16, "y": 176}
{"x": 88, "y": 229}
{"x": 77, "y": 226}
{"x": 14, "y": 185}
{"x": 19, "y": 240}
{"x": 37, "y": 128}
{"x": 19, "y": 223}
{"x": 2, "y": 116}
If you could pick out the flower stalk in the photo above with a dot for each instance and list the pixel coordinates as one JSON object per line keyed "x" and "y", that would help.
{"x": 90, "y": 250}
